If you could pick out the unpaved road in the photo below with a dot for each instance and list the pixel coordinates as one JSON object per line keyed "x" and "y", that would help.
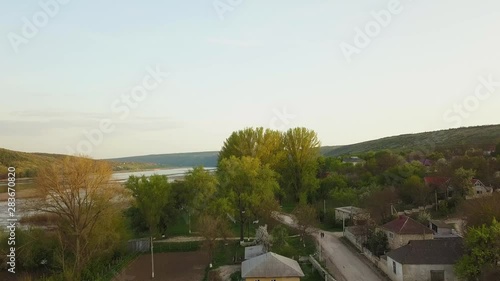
{"x": 340, "y": 259}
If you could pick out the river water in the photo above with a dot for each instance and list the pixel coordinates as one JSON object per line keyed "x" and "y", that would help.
{"x": 172, "y": 174}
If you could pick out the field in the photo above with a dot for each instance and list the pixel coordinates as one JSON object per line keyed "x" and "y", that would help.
{"x": 180, "y": 266}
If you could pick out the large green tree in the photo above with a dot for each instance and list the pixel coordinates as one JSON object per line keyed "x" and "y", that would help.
{"x": 482, "y": 251}
{"x": 301, "y": 163}
{"x": 244, "y": 185}
{"x": 202, "y": 186}
{"x": 461, "y": 181}
{"x": 260, "y": 143}
{"x": 151, "y": 196}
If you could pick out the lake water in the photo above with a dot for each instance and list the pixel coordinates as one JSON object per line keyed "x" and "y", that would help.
{"x": 172, "y": 174}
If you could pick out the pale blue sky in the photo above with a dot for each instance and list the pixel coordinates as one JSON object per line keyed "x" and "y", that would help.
{"x": 264, "y": 57}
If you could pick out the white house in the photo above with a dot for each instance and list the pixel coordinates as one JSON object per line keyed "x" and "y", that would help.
{"x": 431, "y": 260}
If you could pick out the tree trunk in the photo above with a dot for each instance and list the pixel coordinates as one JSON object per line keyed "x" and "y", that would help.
{"x": 241, "y": 226}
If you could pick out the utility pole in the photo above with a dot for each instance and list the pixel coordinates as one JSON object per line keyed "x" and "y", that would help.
{"x": 189, "y": 221}
{"x": 324, "y": 209}
{"x": 152, "y": 260}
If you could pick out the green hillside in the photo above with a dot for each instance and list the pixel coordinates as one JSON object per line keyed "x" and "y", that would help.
{"x": 27, "y": 164}
{"x": 477, "y": 137}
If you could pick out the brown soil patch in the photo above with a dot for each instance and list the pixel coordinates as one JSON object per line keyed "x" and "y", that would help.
{"x": 185, "y": 266}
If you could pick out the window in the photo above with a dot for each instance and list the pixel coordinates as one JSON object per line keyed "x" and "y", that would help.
{"x": 437, "y": 275}
{"x": 391, "y": 235}
{"x": 394, "y": 267}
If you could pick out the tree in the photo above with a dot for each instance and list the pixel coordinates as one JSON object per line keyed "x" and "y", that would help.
{"x": 211, "y": 228}
{"x": 482, "y": 251}
{"x": 301, "y": 164}
{"x": 280, "y": 237}
{"x": 461, "y": 181}
{"x": 306, "y": 217}
{"x": 377, "y": 243}
{"x": 414, "y": 191}
{"x": 202, "y": 185}
{"x": 480, "y": 211}
{"x": 263, "y": 238}
{"x": 79, "y": 192}
{"x": 379, "y": 204}
{"x": 244, "y": 185}
{"x": 497, "y": 150}
{"x": 265, "y": 145}
{"x": 151, "y": 197}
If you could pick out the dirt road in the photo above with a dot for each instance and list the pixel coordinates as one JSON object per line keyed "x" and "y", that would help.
{"x": 341, "y": 261}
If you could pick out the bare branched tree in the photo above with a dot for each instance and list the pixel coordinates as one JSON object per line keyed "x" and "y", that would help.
{"x": 79, "y": 192}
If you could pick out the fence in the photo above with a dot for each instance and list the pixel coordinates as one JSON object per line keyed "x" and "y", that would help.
{"x": 320, "y": 268}
{"x": 139, "y": 245}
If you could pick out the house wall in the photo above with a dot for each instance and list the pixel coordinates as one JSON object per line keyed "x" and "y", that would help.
{"x": 339, "y": 215}
{"x": 422, "y": 272}
{"x": 390, "y": 270}
{"x": 274, "y": 278}
{"x": 400, "y": 240}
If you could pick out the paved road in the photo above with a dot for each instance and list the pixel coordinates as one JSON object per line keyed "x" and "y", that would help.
{"x": 341, "y": 261}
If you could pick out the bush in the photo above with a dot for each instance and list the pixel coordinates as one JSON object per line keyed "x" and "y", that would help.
{"x": 377, "y": 243}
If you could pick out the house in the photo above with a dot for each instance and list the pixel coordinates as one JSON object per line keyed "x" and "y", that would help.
{"x": 443, "y": 186}
{"x": 351, "y": 213}
{"x": 404, "y": 229}
{"x": 479, "y": 189}
{"x": 442, "y": 229}
{"x": 425, "y": 260}
{"x": 426, "y": 162}
{"x": 271, "y": 267}
{"x": 254, "y": 251}
{"x": 440, "y": 184}
{"x": 354, "y": 160}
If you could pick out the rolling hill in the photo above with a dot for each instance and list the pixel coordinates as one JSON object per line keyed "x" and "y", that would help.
{"x": 477, "y": 137}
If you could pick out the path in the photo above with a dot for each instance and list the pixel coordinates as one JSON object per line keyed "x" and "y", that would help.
{"x": 341, "y": 261}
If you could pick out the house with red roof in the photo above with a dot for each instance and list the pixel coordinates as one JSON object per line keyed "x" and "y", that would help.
{"x": 404, "y": 229}
{"x": 443, "y": 186}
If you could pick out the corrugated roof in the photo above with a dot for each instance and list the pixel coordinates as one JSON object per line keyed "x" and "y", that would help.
{"x": 270, "y": 265}
{"x": 406, "y": 225}
{"x": 436, "y": 251}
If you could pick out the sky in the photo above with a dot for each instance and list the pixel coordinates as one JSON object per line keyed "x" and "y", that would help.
{"x": 123, "y": 78}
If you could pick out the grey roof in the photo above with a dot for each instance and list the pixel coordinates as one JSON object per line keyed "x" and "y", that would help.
{"x": 351, "y": 210}
{"x": 270, "y": 265}
{"x": 442, "y": 224}
{"x": 254, "y": 251}
{"x": 435, "y": 251}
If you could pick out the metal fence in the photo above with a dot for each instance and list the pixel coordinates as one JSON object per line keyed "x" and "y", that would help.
{"x": 139, "y": 245}
{"x": 320, "y": 268}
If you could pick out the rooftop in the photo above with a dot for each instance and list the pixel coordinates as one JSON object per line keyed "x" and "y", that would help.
{"x": 406, "y": 225}
{"x": 435, "y": 251}
{"x": 351, "y": 210}
{"x": 254, "y": 251}
{"x": 270, "y": 265}
{"x": 442, "y": 224}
